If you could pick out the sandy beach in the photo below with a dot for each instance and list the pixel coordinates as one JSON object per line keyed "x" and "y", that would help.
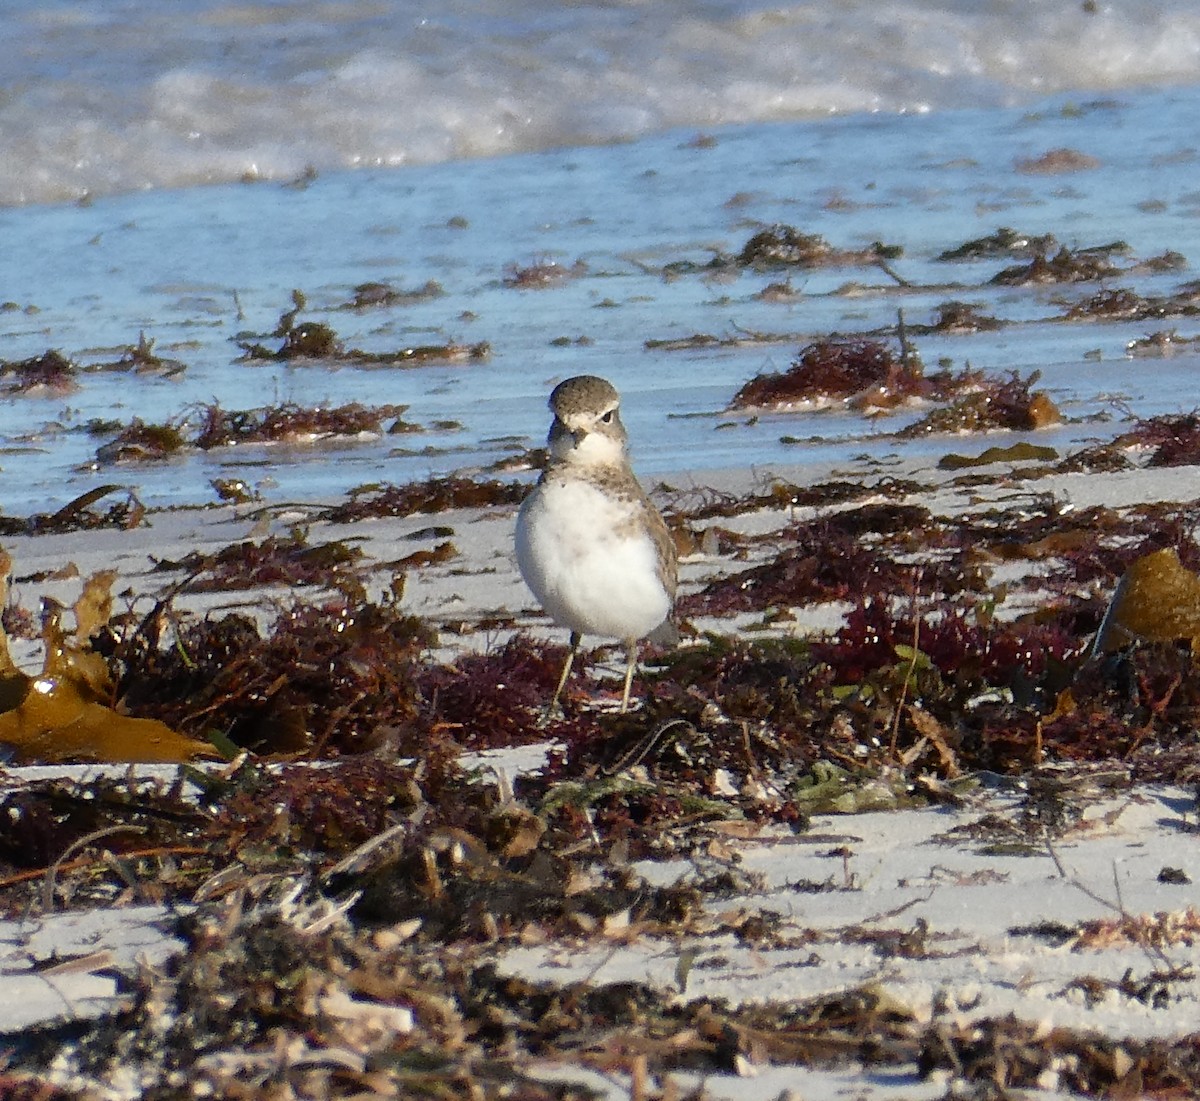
{"x": 1031, "y": 926}
{"x": 901, "y": 302}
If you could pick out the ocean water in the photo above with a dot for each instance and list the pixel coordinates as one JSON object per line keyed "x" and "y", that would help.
{"x": 128, "y": 94}
{"x": 177, "y": 169}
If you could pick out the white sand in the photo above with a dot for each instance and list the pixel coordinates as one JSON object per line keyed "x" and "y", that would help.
{"x": 895, "y": 873}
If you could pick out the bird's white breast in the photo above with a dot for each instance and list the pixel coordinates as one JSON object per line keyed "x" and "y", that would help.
{"x": 591, "y": 570}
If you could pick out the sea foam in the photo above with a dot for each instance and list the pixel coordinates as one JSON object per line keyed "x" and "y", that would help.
{"x": 173, "y": 93}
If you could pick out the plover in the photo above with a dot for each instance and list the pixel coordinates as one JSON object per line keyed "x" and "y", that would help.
{"x": 590, "y": 544}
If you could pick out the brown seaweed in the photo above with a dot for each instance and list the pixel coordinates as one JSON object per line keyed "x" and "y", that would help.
{"x": 1116, "y": 304}
{"x": 370, "y": 296}
{"x": 67, "y": 711}
{"x": 1057, "y": 162}
{"x": 219, "y": 427}
{"x": 865, "y": 370}
{"x": 50, "y": 371}
{"x": 80, "y": 515}
{"x": 1065, "y": 266}
{"x": 960, "y": 317}
{"x": 338, "y": 678}
{"x": 313, "y": 341}
{"x": 1173, "y": 437}
{"x": 818, "y": 562}
{"x": 541, "y": 274}
{"x": 434, "y": 495}
{"x": 785, "y": 246}
{"x": 1004, "y": 242}
{"x": 1022, "y": 452}
{"x": 141, "y": 442}
{"x": 1164, "y": 342}
{"x": 210, "y": 426}
{"x": 1008, "y": 403}
{"x": 276, "y": 560}
{"x": 141, "y": 358}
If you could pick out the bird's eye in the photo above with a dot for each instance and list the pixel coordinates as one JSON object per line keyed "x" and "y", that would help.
{"x": 607, "y": 418}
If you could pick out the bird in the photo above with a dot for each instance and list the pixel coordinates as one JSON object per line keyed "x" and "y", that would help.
{"x": 590, "y": 544}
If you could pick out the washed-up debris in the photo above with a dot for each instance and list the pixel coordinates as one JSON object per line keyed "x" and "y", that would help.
{"x": 785, "y": 246}
{"x": 389, "y": 1013}
{"x": 235, "y": 490}
{"x": 1158, "y": 600}
{"x": 1165, "y": 342}
{"x": 738, "y": 338}
{"x": 992, "y": 403}
{"x": 316, "y": 341}
{"x": 67, "y": 711}
{"x": 50, "y": 372}
{"x": 206, "y": 427}
{"x": 870, "y": 376}
{"x": 868, "y": 373}
{"x": 1057, "y": 162}
{"x": 142, "y": 359}
{"x": 1065, "y": 266}
{"x": 1174, "y": 438}
{"x": 141, "y": 442}
{"x": 435, "y": 495}
{"x": 958, "y": 318}
{"x": 340, "y": 677}
{"x": 541, "y": 274}
{"x": 1121, "y": 304}
{"x": 370, "y": 296}
{"x": 288, "y": 422}
{"x": 1004, "y": 242}
{"x": 919, "y": 627}
{"x": 378, "y": 896}
{"x": 276, "y": 560}
{"x": 1022, "y": 452}
{"x": 79, "y": 514}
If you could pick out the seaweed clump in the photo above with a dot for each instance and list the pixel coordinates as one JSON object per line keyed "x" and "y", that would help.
{"x": 310, "y": 340}
{"x": 289, "y": 422}
{"x": 276, "y": 560}
{"x": 141, "y": 442}
{"x": 868, "y": 372}
{"x": 81, "y": 514}
{"x": 372, "y": 502}
{"x": 782, "y": 245}
{"x": 1160, "y": 344}
{"x": 817, "y": 562}
{"x": 1173, "y": 437}
{"x": 961, "y": 317}
{"x": 1056, "y": 162}
{"x": 68, "y": 711}
{"x": 996, "y": 403}
{"x": 325, "y": 680}
{"x": 1004, "y": 242}
{"x": 207, "y": 427}
{"x": 50, "y": 371}
{"x": 541, "y": 274}
{"x": 1117, "y": 304}
{"x": 305, "y": 341}
{"x": 142, "y": 359}
{"x": 369, "y": 296}
{"x": 1065, "y": 266}
{"x": 486, "y": 700}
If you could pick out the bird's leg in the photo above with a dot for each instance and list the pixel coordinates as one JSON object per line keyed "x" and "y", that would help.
{"x": 576, "y": 638}
{"x": 631, "y": 654}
